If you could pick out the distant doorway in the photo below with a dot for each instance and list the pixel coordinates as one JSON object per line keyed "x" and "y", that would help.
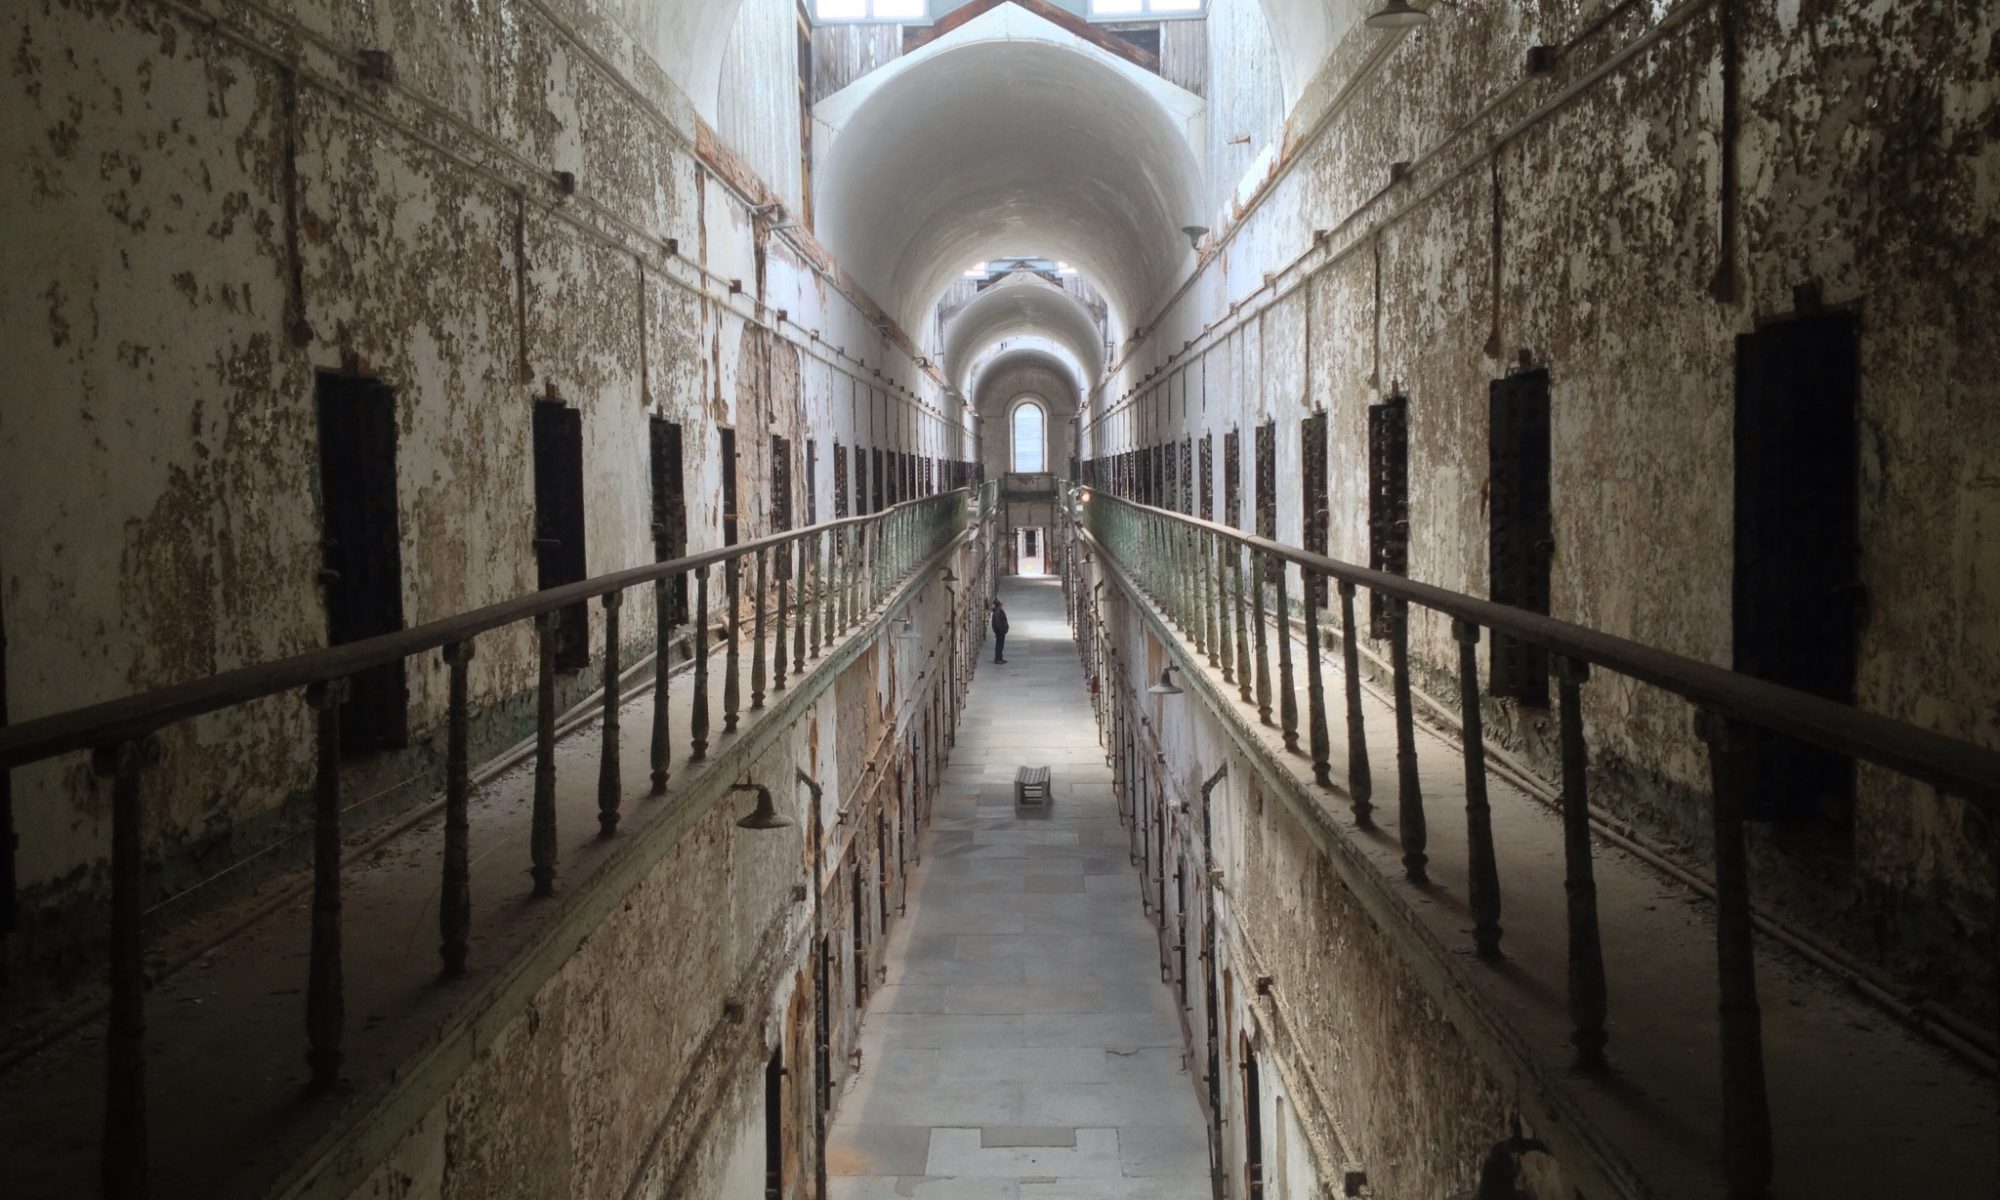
{"x": 1030, "y": 552}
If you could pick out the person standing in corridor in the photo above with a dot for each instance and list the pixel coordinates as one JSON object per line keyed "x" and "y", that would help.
{"x": 999, "y": 633}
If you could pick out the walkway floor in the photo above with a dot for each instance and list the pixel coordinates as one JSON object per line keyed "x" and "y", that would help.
{"x": 1024, "y": 1047}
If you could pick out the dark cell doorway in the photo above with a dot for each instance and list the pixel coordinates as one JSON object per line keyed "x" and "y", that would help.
{"x": 860, "y": 927}
{"x": 1797, "y": 595}
{"x": 362, "y": 550}
{"x": 774, "y": 1126}
{"x": 670, "y": 511}
{"x": 881, "y": 497}
{"x": 1232, "y": 480}
{"x": 1388, "y": 499}
{"x": 1521, "y": 546}
{"x": 1253, "y": 1126}
{"x": 1315, "y": 519}
{"x": 728, "y": 486}
{"x": 812, "y": 482}
{"x": 559, "y": 523}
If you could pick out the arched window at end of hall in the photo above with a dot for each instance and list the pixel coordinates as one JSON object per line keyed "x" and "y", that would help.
{"x": 1031, "y": 448}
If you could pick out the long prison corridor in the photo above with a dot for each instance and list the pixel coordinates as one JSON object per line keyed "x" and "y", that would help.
{"x": 1023, "y": 1045}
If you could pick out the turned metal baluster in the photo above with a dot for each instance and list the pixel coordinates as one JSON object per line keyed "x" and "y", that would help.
{"x": 698, "y": 715}
{"x": 1360, "y": 783}
{"x": 1246, "y": 671}
{"x": 823, "y": 601}
{"x": 1316, "y": 733}
{"x": 843, "y": 612}
{"x": 455, "y": 897}
{"x": 542, "y": 830}
{"x": 663, "y": 748}
{"x": 1288, "y": 701}
{"x": 757, "y": 634}
{"x": 1746, "y": 1113}
{"x": 1482, "y": 872}
{"x": 610, "y": 776}
{"x": 1587, "y": 1000}
{"x": 1415, "y": 834}
{"x": 326, "y": 991}
{"x": 1263, "y": 664}
{"x": 1223, "y": 594}
{"x": 125, "y": 1155}
{"x": 782, "y": 564}
{"x": 804, "y": 548}
{"x": 1205, "y": 582}
{"x": 732, "y": 662}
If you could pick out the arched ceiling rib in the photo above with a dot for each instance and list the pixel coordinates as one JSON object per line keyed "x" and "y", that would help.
{"x": 1017, "y": 306}
{"x": 688, "y": 39}
{"x": 983, "y": 145}
{"x": 1016, "y": 372}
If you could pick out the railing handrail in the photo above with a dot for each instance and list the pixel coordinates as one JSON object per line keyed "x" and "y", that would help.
{"x": 111, "y": 722}
{"x": 1962, "y": 768}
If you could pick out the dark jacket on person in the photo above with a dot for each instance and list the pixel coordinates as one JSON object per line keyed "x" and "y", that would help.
{"x": 999, "y": 619}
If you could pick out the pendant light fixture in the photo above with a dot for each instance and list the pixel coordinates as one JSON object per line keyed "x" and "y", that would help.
{"x": 1396, "y": 14}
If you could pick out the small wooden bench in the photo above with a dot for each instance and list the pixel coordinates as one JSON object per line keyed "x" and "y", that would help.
{"x": 1031, "y": 785}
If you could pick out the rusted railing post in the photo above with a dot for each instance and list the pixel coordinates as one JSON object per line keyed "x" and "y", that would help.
{"x": 823, "y": 603}
{"x": 542, "y": 833}
{"x": 1223, "y": 599}
{"x": 1360, "y": 783}
{"x": 1263, "y": 664}
{"x": 326, "y": 991}
{"x": 662, "y": 747}
{"x": 1205, "y": 545}
{"x": 1746, "y": 1113}
{"x": 732, "y": 661}
{"x": 782, "y": 567}
{"x": 1415, "y": 835}
{"x": 799, "y": 617}
{"x": 1244, "y": 671}
{"x": 1482, "y": 872}
{"x": 1587, "y": 1000}
{"x": 1288, "y": 699}
{"x": 610, "y": 776}
{"x": 125, "y": 1155}
{"x": 757, "y": 632}
{"x": 1317, "y": 738}
{"x": 455, "y": 896}
{"x": 698, "y": 714}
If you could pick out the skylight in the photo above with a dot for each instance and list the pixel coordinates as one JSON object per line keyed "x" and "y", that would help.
{"x": 869, "y": 10}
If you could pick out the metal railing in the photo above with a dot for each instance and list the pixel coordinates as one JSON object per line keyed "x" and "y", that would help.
{"x": 1230, "y": 595}
{"x": 799, "y": 592}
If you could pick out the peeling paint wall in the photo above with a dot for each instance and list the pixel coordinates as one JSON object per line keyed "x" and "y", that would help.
{"x": 638, "y": 1069}
{"x": 209, "y": 207}
{"x": 1577, "y": 221}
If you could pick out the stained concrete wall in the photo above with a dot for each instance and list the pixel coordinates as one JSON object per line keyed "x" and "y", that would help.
{"x": 1589, "y": 242}
{"x": 210, "y": 207}
{"x": 638, "y": 1069}
{"x": 1370, "y": 1074}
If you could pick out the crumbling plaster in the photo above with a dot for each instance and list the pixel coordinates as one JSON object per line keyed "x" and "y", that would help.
{"x": 198, "y": 191}
{"x": 1867, "y": 171}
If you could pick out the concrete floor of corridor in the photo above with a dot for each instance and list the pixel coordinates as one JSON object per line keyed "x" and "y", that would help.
{"x": 1023, "y": 1046}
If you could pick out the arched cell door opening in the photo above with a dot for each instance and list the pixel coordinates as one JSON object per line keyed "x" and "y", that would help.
{"x": 1030, "y": 428}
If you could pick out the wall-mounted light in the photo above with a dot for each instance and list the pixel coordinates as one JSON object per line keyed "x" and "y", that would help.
{"x": 1396, "y": 14}
{"x": 766, "y": 814}
{"x": 1166, "y": 685}
{"x": 1194, "y": 235}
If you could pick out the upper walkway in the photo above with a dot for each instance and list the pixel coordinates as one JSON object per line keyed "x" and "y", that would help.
{"x": 1024, "y": 1047}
